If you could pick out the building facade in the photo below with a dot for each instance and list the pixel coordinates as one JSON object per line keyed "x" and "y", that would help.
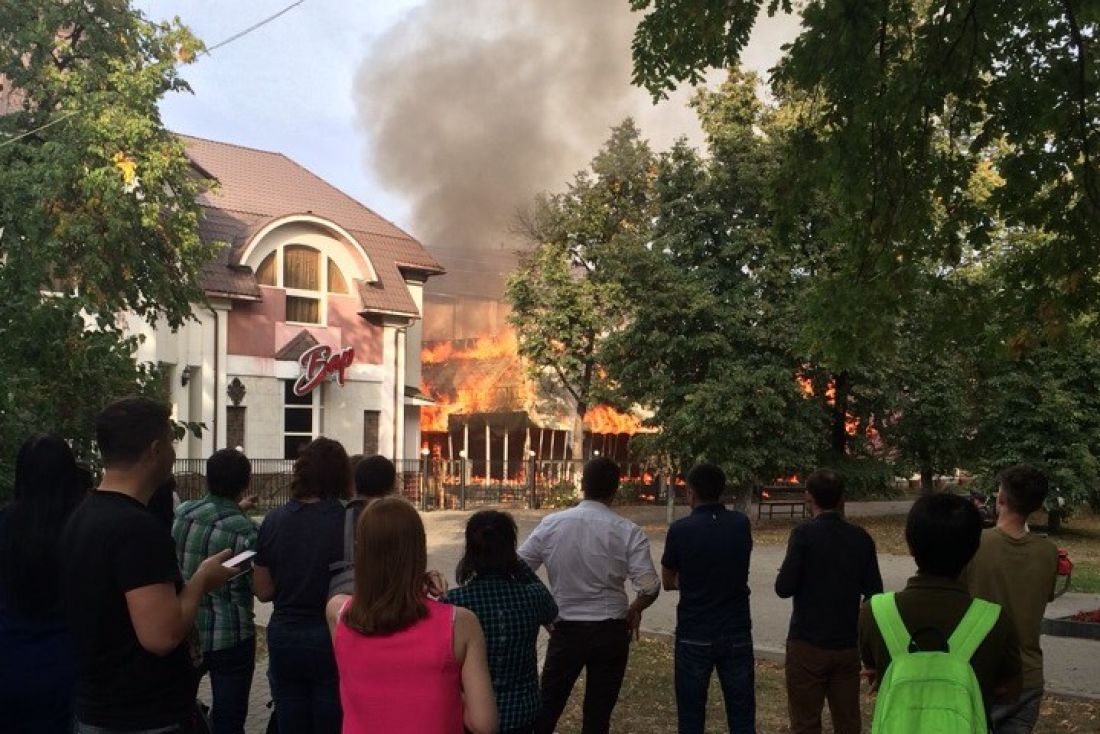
{"x": 312, "y": 324}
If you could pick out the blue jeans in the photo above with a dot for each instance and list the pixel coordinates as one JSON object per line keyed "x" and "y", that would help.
{"x": 732, "y": 657}
{"x": 304, "y": 681}
{"x": 230, "y": 682}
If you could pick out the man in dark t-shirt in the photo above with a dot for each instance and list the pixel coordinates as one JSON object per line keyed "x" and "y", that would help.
{"x": 706, "y": 558}
{"x": 124, "y": 600}
{"x": 831, "y": 565}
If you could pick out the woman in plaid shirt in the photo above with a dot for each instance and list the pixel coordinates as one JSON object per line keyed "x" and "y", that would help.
{"x": 511, "y": 603}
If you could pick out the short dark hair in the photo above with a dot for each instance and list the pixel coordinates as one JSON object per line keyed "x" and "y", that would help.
{"x": 375, "y": 476}
{"x": 826, "y": 487}
{"x": 126, "y": 428}
{"x": 600, "y": 479}
{"x": 227, "y": 473}
{"x": 490, "y": 546}
{"x": 1025, "y": 488}
{"x": 943, "y": 532}
{"x": 321, "y": 470}
{"x": 708, "y": 481}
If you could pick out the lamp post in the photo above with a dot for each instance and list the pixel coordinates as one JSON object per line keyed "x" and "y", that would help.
{"x": 424, "y": 452}
{"x": 532, "y": 501}
{"x": 462, "y": 481}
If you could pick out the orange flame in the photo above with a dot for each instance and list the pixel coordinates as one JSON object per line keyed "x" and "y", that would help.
{"x": 604, "y": 419}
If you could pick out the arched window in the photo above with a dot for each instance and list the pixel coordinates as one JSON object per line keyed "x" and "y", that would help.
{"x": 306, "y": 275}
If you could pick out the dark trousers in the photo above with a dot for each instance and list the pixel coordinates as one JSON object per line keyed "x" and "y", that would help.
{"x": 598, "y": 648}
{"x": 1019, "y": 717}
{"x": 732, "y": 659}
{"x": 815, "y": 675}
{"x": 230, "y": 683}
{"x": 303, "y": 676}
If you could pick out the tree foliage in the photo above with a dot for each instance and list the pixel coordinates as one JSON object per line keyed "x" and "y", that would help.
{"x": 97, "y": 208}
{"x": 564, "y": 302}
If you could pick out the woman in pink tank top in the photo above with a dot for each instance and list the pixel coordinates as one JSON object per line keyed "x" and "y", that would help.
{"x": 407, "y": 663}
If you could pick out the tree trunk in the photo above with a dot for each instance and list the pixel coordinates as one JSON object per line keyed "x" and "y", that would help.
{"x": 927, "y": 485}
{"x": 578, "y": 432}
{"x": 841, "y": 390}
{"x": 1054, "y": 522}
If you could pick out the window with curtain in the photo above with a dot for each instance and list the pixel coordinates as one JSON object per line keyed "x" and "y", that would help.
{"x": 301, "y": 268}
{"x": 303, "y": 310}
{"x": 336, "y": 282}
{"x": 266, "y": 274}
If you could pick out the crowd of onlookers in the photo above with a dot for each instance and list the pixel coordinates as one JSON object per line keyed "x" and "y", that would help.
{"x": 113, "y": 602}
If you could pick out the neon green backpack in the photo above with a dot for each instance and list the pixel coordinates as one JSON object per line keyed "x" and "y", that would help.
{"x": 936, "y": 691}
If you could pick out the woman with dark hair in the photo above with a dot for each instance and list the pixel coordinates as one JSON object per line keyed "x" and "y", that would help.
{"x": 511, "y": 603}
{"x": 408, "y": 663}
{"x": 38, "y": 662}
{"x": 297, "y": 544}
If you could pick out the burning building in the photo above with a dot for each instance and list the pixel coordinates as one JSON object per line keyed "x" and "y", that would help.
{"x": 489, "y": 410}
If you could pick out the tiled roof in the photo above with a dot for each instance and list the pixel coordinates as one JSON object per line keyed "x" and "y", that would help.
{"x": 297, "y": 346}
{"x": 256, "y": 186}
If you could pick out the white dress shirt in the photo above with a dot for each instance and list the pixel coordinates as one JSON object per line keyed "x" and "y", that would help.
{"x": 590, "y": 551}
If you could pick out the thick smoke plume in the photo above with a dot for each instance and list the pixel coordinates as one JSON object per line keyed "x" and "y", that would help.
{"x": 474, "y": 106}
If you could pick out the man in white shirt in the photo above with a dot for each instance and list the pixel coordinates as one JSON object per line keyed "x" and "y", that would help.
{"x": 590, "y": 551}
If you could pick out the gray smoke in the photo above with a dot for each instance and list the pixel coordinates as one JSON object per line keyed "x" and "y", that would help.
{"x": 472, "y": 107}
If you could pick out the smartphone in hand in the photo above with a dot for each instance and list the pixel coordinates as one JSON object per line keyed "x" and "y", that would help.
{"x": 241, "y": 563}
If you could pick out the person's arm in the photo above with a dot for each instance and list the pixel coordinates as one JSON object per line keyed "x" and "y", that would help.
{"x": 790, "y": 571}
{"x": 479, "y": 708}
{"x": 871, "y": 582}
{"x": 868, "y": 633}
{"x": 545, "y": 606}
{"x": 1009, "y": 676}
{"x": 161, "y": 619}
{"x": 332, "y": 612}
{"x": 670, "y": 561}
{"x": 644, "y": 577}
{"x": 262, "y": 583}
{"x": 531, "y": 552}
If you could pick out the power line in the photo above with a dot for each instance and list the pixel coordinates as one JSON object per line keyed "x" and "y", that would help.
{"x": 51, "y": 123}
{"x": 216, "y": 46}
{"x": 251, "y": 28}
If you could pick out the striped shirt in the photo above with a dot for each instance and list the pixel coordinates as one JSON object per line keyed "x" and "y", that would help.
{"x": 202, "y": 528}
{"x": 511, "y": 610}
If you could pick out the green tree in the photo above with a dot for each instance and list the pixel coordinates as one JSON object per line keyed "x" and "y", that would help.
{"x": 98, "y": 209}
{"x": 902, "y": 101}
{"x": 710, "y": 343}
{"x": 564, "y": 303}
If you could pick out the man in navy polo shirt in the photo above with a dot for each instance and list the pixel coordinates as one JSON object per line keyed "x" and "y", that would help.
{"x": 707, "y": 559}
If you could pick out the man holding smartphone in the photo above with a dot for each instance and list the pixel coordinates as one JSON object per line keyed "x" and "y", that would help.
{"x": 225, "y": 620}
{"x": 127, "y": 608}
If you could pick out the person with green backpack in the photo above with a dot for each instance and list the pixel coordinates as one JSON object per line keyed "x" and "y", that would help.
{"x": 937, "y": 657}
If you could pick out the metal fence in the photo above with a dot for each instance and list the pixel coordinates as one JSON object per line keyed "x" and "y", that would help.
{"x": 433, "y": 483}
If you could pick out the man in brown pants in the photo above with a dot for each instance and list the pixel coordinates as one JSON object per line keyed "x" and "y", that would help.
{"x": 830, "y": 566}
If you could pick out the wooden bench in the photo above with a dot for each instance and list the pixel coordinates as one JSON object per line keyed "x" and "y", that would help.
{"x": 790, "y": 497}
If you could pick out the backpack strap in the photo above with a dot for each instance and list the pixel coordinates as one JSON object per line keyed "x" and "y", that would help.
{"x": 973, "y": 628}
{"x": 885, "y": 610}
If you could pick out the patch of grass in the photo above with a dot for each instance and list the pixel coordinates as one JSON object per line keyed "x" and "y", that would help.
{"x": 647, "y": 702}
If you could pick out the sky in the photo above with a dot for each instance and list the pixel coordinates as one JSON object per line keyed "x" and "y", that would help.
{"x": 297, "y": 86}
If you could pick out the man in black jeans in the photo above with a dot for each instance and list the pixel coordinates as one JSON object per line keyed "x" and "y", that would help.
{"x": 707, "y": 559}
{"x": 830, "y": 566}
{"x": 589, "y": 552}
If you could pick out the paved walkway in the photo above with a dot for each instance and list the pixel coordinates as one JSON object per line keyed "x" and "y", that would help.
{"x": 1072, "y": 666}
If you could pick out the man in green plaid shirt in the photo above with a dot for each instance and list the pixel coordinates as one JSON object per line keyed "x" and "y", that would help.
{"x": 225, "y": 619}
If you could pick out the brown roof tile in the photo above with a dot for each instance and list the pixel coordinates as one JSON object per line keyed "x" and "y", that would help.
{"x": 297, "y": 346}
{"x": 256, "y": 186}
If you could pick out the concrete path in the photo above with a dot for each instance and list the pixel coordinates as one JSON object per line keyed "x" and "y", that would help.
{"x": 1072, "y": 666}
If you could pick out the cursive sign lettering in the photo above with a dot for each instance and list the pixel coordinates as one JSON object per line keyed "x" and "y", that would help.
{"x": 318, "y": 363}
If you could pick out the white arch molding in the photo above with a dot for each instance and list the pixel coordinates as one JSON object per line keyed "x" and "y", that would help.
{"x": 268, "y": 239}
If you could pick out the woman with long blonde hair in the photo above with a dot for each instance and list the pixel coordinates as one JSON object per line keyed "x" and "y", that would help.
{"x": 407, "y": 662}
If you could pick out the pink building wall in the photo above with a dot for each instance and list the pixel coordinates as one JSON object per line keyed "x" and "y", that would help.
{"x": 259, "y": 329}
